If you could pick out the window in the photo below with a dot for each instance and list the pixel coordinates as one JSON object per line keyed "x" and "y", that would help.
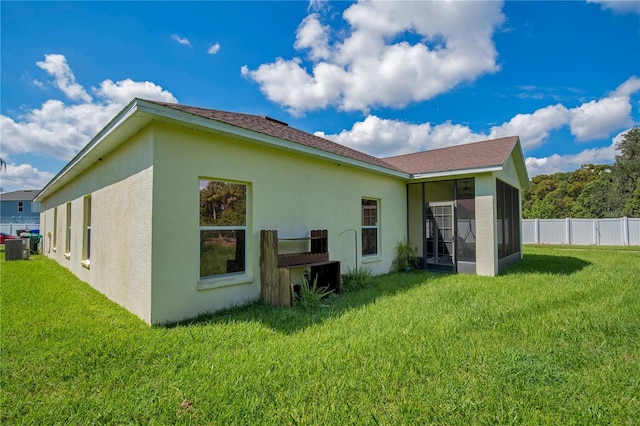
{"x": 20, "y": 206}
{"x": 55, "y": 228}
{"x": 223, "y": 228}
{"x": 369, "y": 227}
{"x": 86, "y": 237}
{"x": 67, "y": 247}
{"x": 508, "y": 219}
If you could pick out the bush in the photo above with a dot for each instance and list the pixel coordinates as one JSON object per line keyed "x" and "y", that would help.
{"x": 310, "y": 295}
{"x": 356, "y": 279}
{"x": 405, "y": 257}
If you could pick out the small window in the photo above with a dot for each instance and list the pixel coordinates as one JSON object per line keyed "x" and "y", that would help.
{"x": 86, "y": 237}
{"x": 20, "y": 206}
{"x": 223, "y": 228}
{"x": 67, "y": 247}
{"x": 370, "y": 231}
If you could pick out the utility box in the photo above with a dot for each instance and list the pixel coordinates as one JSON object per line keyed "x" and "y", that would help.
{"x": 16, "y": 249}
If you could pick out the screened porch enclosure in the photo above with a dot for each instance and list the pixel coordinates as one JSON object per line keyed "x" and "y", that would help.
{"x": 445, "y": 231}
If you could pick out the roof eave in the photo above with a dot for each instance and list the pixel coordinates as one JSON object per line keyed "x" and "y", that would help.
{"x": 106, "y": 140}
{"x": 521, "y": 164}
{"x": 474, "y": 171}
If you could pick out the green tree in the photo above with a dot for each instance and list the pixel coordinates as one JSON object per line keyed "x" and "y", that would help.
{"x": 632, "y": 207}
{"x": 626, "y": 169}
{"x": 555, "y": 195}
{"x": 599, "y": 199}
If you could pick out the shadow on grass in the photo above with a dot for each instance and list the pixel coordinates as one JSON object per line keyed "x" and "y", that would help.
{"x": 546, "y": 264}
{"x": 291, "y": 320}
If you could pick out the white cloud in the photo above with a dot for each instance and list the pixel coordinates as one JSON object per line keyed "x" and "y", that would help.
{"x": 215, "y": 48}
{"x": 534, "y": 128}
{"x": 628, "y": 88}
{"x": 598, "y": 119}
{"x": 365, "y": 68}
{"x": 60, "y": 130}
{"x": 23, "y": 176}
{"x": 182, "y": 40}
{"x": 56, "y": 65}
{"x": 591, "y": 120}
{"x": 123, "y": 91}
{"x": 562, "y": 163}
{"x": 312, "y": 35}
{"x": 620, "y": 6}
{"x": 318, "y": 5}
{"x": 385, "y": 138}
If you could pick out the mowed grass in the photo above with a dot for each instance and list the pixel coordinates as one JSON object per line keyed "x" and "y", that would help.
{"x": 555, "y": 340}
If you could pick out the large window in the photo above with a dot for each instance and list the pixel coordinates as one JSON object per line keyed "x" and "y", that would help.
{"x": 55, "y": 228}
{"x": 508, "y": 219}
{"x": 86, "y": 237}
{"x": 67, "y": 246}
{"x": 223, "y": 228}
{"x": 370, "y": 229}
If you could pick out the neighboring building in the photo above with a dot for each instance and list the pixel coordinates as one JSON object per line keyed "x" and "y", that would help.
{"x": 19, "y": 207}
{"x": 162, "y": 210}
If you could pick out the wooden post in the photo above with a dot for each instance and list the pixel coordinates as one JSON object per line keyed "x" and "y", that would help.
{"x": 275, "y": 288}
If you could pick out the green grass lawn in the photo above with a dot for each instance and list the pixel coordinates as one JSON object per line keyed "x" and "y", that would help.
{"x": 555, "y": 340}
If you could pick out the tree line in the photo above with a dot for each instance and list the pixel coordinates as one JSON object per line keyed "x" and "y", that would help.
{"x": 592, "y": 191}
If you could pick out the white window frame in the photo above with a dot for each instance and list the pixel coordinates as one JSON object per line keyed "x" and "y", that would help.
{"x": 67, "y": 247}
{"x": 232, "y": 278}
{"x": 376, "y": 227}
{"x": 86, "y": 234}
{"x": 55, "y": 229}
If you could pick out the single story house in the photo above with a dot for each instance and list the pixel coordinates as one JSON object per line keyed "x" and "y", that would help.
{"x": 162, "y": 210}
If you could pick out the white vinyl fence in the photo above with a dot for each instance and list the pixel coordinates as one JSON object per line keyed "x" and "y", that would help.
{"x": 622, "y": 231}
{"x": 13, "y": 228}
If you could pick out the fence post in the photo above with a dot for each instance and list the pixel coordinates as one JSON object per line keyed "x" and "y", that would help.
{"x": 625, "y": 231}
{"x": 596, "y": 232}
{"x": 536, "y": 231}
{"x": 567, "y": 233}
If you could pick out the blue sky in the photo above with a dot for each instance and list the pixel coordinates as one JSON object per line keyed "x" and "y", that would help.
{"x": 386, "y": 78}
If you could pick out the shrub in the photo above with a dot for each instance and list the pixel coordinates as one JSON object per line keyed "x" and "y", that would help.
{"x": 405, "y": 257}
{"x": 357, "y": 278}
{"x": 310, "y": 295}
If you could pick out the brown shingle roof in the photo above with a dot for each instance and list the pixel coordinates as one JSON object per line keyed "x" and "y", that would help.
{"x": 476, "y": 155}
{"x": 490, "y": 153}
{"x": 271, "y": 127}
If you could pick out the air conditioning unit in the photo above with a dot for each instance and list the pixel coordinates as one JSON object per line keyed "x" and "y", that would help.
{"x": 16, "y": 249}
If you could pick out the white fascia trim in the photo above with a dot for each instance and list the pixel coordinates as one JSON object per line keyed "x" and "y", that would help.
{"x": 211, "y": 124}
{"x": 129, "y": 110}
{"x": 457, "y": 172}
